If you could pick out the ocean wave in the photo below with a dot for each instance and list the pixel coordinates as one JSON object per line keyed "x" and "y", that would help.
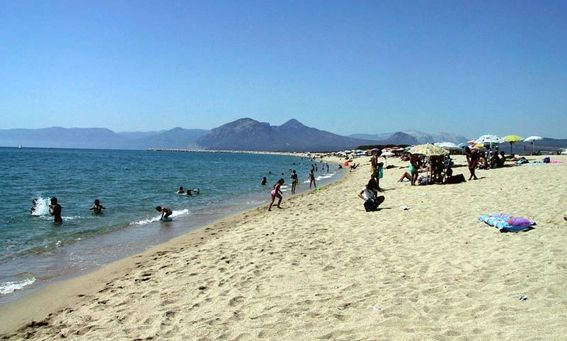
{"x": 10, "y": 287}
{"x": 327, "y": 176}
{"x": 68, "y": 218}
{"x": 175, "y": 214}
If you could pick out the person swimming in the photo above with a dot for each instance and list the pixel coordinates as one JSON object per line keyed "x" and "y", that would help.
{"x": 180, "y": 190}
{"x": 190, "y": 192}
{"x": 97, "y": 207}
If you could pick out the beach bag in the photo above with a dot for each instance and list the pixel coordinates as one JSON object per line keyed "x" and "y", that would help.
{"x": 546, "y": 160}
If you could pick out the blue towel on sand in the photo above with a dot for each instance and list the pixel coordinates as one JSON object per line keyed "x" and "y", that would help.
{"x": 507, "y": 223}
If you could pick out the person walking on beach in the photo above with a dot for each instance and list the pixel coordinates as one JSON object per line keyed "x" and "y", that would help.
{"x": 165, "y": 213}
{"x": 55, "y": 211}
{"x": 375, "y": 166}
{"x": 97, "y": 207}
{"x": 312, "y": 179}
{"x": 472, "y": 161}
{"x": 277, "y": 193}
{"x": 294, "y": 181}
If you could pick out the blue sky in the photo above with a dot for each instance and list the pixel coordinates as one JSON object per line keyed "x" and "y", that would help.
{"x": 469, "y": 67}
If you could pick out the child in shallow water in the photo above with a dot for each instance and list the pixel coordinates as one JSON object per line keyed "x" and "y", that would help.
{"x": 277, "y": 193}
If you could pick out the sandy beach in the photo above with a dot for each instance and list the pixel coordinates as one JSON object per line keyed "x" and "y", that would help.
{"x": 323, "y": 268}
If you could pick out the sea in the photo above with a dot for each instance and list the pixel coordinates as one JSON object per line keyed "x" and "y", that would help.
{"x": 35, "y": 251}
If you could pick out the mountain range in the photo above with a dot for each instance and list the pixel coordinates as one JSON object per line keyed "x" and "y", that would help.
{"x": 413, "y": 137}
{"x": 242, "y": 134}
{"x": 249, "y": 134}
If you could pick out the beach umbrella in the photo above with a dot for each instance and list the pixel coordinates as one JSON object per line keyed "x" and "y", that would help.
{"x": 447, "y": 145}
{"x": 428, "y": 150}
{"x": 512, "y": 139}
{"x": 532, "y": 139}
{"x": 489, "y": 139}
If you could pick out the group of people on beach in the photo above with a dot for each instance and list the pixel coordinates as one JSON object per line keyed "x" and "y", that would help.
{"x": 276, "y": 192}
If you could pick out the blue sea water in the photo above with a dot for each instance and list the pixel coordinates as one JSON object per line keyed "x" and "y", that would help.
{"x": 130, "y": 184}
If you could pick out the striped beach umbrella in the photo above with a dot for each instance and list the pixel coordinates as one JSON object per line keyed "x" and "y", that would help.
{"x": 428, "y": 150}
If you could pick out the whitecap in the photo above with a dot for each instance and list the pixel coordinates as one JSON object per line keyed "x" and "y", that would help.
{"x": 41, "y": 207}
{"x": 180, "y": 213}
{"x": 10, "y": 287}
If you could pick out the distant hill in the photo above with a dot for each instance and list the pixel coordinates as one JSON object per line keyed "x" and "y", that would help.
{"x": 249, "y": 134}
{"x": 420, "y": 137}
{"x": 174, "y": 138}
{"x": 98, "y": 138}
{"x": 57, "y": 137}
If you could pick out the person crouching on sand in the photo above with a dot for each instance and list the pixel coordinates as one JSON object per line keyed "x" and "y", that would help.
{"x": 370, "y": 196}
{"x": 165, "y": 212}
{"x": 277, "y": 193}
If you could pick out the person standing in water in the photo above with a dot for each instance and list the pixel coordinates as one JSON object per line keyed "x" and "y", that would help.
{"x": 97, "y": 207}
{"x": 264, "y": 181}
{"x": 312, "y": 178}
{"x": 294, "y": 181}
{"x": 55, "y": 211}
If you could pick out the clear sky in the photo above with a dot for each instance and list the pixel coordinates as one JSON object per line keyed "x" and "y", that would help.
{"x": 469, "y": 67}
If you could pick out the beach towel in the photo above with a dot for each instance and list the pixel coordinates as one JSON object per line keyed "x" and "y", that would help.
{"x": 507, "y": 223}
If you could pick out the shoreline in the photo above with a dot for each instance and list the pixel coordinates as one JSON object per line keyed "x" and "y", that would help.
{"x": 323, "y": 268}
{"x": 16, "y": 314}
{"x": 51, "y": 264}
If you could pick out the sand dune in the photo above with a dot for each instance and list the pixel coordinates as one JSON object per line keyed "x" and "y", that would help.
{"x": 322, "y": 268}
